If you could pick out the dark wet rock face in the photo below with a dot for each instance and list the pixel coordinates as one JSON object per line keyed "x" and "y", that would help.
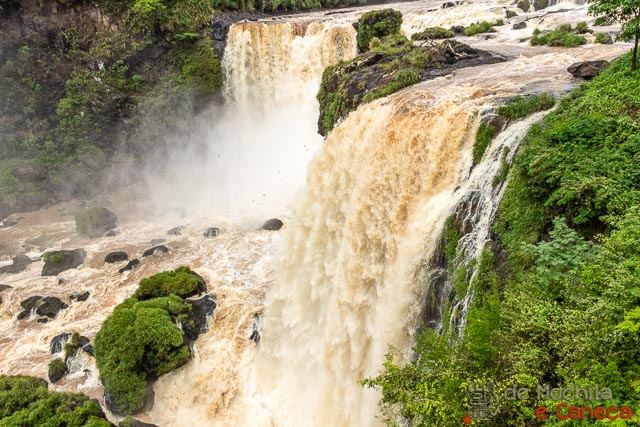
{"x": 116, "y": 256}
{"x": 201, "y": 310}
{"x": 211, "y": 232}
{"x": 588, "y": 69}
{"x": 19, "y": 263}
{"x": 43, "y": 306}
{"x": 156, "y": 250}
{"x": 519, "y": 25}
{"x": 5, "y": 287}
{"x": 55, "y": 262}
{"x": 130, "y": 265}
{"x": 273, "y": 224}
{"x": 57, "y": 343}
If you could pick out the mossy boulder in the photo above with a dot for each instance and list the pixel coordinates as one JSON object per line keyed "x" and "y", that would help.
{"x": 55, "y": 262}
{"x": 433, "y": 33}
{"x": 138, "y": 342}
{"x": 524, "y": 5}
{"x": 95, "y": 221}
{"x": 181, "y": 282}
{"x": 132, "y": 422}
{"x": 378, "y": 23}
{"x": 27, "y": 401}
{"x": 43, "y": 306}
{"x": 56, "y": 370}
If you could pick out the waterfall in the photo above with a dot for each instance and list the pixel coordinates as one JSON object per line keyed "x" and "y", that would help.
{"x": 252, "y": 152}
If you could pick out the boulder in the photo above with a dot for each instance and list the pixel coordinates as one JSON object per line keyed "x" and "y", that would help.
{"x": 519, "y": 25}
{"x": 31, "y": 302}
{"x": 95, "y": 221}
{"x": 525, "y": 5}
{"x": 79, "y": 297}
{"x": 130, "y": 265}
{"x": 201, "y": 310}
{"x": 176, "y": 231}
{"x": 43, "y": 320}
{"x": 88, "y": 348}
{"x": 458, "y": 29}
{"x": 19, "y": 263}
{"x": 587, "y": 69}
{"x": 23, "y": 314}
{"x": 540, "y": 4}
{"x": 56, "y": 345}
{"x": 5, "y": 287}
{"x": 273, "y": 224}
{"x": 116, "y": 256}
{"x": 156, "y": 242}
{"x": 156, "y": 250}
{"x": 57, "y": 370}
{"x": 211, "y": 232}
{"x": 55, "y": 262}
{"x": 132, "y": 422}
{"x": 50, "y": 307}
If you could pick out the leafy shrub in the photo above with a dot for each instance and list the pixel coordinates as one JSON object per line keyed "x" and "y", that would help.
{"x": 561, "y": 36}
{"x": 432, "y": 33}
{"x": 603, "y": 38}
{"x": 402, "y": 79}
{"x": 26, "y": 401}
{"x": 521, "y": 107}
{"x": 582, "y": 28}
{"x": 378, "y": 23}
{"x": 181, "y": 282}
{"x": 499, "y": 22}
{"x": 511, "y": 14}
{"x": 481, "y": 27}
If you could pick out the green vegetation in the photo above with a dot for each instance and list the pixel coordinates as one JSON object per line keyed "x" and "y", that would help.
{"x": 582, "y": 28}
{"x": 603, "y": 38}
{"x": 26, "y": 401}
{"x": 521, "y": 107}
{"x": 72, "y": 346}
{"x": 480, "y": 27}
{"x": 432, "y": 33}
{"x": 557, "y": 294}
{"x": 624, "y": 12}
{"x": 181, "y": 282}
{"x": 563, "y": 36}
{"x": 378, "y": 23}
{"x": 484, "y": 136}
{"x": 141, "y": 341}
{"x": 511, "y": 13}
{"x": 518, "y": 108}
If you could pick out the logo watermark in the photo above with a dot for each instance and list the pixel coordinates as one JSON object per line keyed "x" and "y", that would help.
{"x": 484, "y": 402}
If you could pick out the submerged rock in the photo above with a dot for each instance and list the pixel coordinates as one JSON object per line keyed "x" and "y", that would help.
{"x": 156, "y": 250}
{"x": 95, "y": 221}
{"x": 587, "y": 69}
{"x": 116, "y": 257}
{"x": 130, "y": 265}
{"x": 55, "y": 262}
{"x": 19, "y": 263}
{"x": 519, "y": 25}
{"x": 79, "y": 297}
{"x": 176, "y": 231}
{"x": 273, "y": 224}
{"x": 201, "y": 310}
{"x": 212, "y": 232}
{"x": 5, "y": 287}
{"x": 156, "y": 242}
{"x": 50, "y": 307}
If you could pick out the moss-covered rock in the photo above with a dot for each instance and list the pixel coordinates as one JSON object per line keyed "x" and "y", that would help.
{"x": 26, "y": 401}
{"x": 181, "y": 282}
{"x": 392, "y": 64}
{"x": 139, "y": 341}
{"x": 95, "y": 221}
{"x": 432, "y": 33}
{"x": 378, "y": 23}
{"x": 57, "y": 369}
{"x": 55, "y": 262}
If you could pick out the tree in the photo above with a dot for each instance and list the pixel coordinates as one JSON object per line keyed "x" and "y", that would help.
{"x": 625, "y": 12}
